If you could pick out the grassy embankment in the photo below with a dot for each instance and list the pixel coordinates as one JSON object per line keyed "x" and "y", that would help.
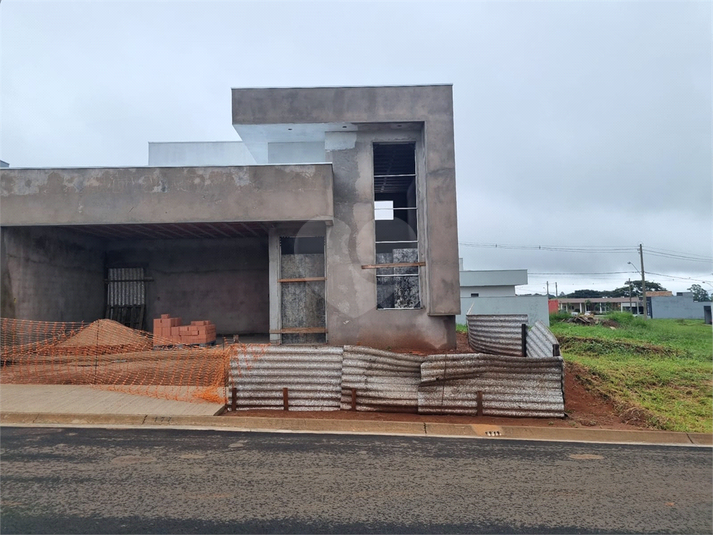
{"x": 656, "y": 372}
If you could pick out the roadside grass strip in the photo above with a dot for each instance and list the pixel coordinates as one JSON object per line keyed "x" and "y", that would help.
{"x": 658, "y": 373}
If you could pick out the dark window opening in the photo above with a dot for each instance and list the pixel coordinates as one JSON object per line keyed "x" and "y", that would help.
{"x": 474, "y": 295}
{"x": 396, "y": 222}
{"x": 311, "y": 245}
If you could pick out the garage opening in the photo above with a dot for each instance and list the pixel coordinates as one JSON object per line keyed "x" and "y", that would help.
{"x": 133, "y": 273}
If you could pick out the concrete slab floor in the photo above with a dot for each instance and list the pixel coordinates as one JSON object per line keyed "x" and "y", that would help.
{"x": 83, "y": 399}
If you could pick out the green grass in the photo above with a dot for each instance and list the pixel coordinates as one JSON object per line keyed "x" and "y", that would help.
{"x": 657, "y": 372}
{"x": 461, "y": 328}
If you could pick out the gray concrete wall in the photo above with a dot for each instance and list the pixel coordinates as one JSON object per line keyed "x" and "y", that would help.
{"x": 51, "y": 275}
{"x": 199, "y": 153}
{"x": 283, "y": 153}
{"x": 221, "y": 280}
{"x": 535, "y": 306}
{"x": 498, "y": 277}
{"x": 352, "y": 317}
{"x": 430, "y": 105}
{"x": 677, "y": 307}
{"x": 487, "y": 291}
{"x": 165, "y": 195}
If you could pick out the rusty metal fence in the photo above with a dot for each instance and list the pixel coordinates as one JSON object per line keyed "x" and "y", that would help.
{"x": 492, "y": 385}
{"x": 541, "y": 342}
{"x": 497, "y": 334}
{"x": 305, "y": 378}
{"x": 375, "y": 380}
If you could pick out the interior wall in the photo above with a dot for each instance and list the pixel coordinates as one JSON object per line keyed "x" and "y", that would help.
{"x": 51, "y": 274}
{"x": 221, "y": 280}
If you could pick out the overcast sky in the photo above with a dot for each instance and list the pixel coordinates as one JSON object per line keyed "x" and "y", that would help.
{"x": 580, "y": 125}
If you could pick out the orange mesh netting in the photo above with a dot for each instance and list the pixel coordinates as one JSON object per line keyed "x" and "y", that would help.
{"x": 109, "y": 355}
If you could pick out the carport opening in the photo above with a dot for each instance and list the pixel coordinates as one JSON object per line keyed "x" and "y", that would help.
{"x": 134, "y": 273}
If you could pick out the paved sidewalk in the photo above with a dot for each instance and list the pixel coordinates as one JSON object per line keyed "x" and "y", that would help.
{"x": 66, "y": 405}
{"x": 74, "y": 399}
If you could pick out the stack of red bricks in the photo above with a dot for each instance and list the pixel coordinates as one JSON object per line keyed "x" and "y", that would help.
{"x": 168, "y": 329}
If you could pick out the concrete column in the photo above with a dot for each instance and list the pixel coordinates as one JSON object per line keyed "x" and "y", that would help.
{"x": 274, "y": 277}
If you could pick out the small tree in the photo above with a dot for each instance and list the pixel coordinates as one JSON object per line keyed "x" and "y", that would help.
{"x": 699, "y": 293}
{"x": 623, "y": 291}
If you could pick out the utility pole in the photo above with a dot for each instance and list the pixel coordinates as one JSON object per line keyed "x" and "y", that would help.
{"x": 556, "y": 292}
{"x": 630, "y": 292}
{"x": 643, "y": 283}
{"x": 548, "y": 290}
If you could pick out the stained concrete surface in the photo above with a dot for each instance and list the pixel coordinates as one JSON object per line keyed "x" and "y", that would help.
{"x": 81, "y": 399}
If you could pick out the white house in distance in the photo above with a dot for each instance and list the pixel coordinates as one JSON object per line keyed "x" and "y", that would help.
{"x": 493, "y": 292}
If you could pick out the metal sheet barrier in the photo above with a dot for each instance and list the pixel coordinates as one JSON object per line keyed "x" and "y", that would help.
{"x": 383, "y": 380}
{"x": 541, "y": 342}
{"x": 499, "y": 334}
{"x": 491, "y": 385}
{"x": 312, "y": 376}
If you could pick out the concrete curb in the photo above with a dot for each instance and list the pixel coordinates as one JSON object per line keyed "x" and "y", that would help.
{"x": 309, "y": 425}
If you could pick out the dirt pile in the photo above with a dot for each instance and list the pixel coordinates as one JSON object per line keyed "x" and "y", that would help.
{"x": 107, "y": 333}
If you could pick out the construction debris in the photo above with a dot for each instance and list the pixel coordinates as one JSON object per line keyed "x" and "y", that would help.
{"x": 168, "y": 331}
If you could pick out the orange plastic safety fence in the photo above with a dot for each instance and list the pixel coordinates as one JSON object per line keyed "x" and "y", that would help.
{"x": 109, "y": 355}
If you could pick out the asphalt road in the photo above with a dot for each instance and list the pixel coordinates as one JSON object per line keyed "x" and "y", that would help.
{"x": 177, "y": 481}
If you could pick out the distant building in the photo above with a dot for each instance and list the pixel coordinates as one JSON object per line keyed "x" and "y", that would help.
{"x": 493, "y": 292}
{"x": 598, "y": 305}
{"x": 661, "y": 305}
{"x": 679, "y": 306}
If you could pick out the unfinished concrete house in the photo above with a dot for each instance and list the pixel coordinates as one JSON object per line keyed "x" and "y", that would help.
{"x": 332, "y": 221}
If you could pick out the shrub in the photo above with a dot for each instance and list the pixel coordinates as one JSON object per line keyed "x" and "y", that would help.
{"x": 559, "y": 316}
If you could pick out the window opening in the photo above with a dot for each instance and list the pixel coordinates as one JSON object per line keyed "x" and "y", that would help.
{"x": 396, "y": 222}
{"x": 126, "y": 296}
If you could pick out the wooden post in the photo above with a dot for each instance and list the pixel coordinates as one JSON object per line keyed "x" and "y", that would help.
{"x": 479, "y": 403}
{"x": 234, "y": 399}
{"x": 353, "y": 399}
{"x": 524, "y": 339}
{"x": 285, "y": 400}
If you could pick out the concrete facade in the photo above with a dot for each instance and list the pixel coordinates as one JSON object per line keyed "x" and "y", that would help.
{"x": 50, "y": 274}
{"x": 171, "y": 218}
{"x": 493, "y": 292}
{"x": 535, "y": 306}
{"x": 679, "y": 307}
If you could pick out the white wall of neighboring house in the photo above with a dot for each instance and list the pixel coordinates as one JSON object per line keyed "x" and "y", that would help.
{"x": 681, "y": 306}
{"x": 196, "y": 153}
{"x": 493, "y": 292}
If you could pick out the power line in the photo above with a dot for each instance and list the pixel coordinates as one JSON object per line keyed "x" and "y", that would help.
{"x": 677, "y": 253}
{"x": 579, "y": 273}
{"x": 555, "y": 248}
{"x": 593, "y": 249}
{"x": 682, "y": 278}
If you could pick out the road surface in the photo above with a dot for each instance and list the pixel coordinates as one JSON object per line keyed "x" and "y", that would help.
{"x": 76, "y": 480}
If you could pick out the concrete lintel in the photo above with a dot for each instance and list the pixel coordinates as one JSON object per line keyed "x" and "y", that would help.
{"x": 86, "y": 196}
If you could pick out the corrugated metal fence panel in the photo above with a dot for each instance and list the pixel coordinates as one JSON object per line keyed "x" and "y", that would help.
{"x": 499, "y": 334}
{"x": 510, "y": 386}
{"x": 126, "y": 287}
{"x": 384, "y": 381}
{"x": 312, "y": 375}
{"x": 541, "y": 342}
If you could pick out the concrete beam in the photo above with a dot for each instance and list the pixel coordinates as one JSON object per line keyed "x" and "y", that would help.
{"x": 86, "y": 196}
